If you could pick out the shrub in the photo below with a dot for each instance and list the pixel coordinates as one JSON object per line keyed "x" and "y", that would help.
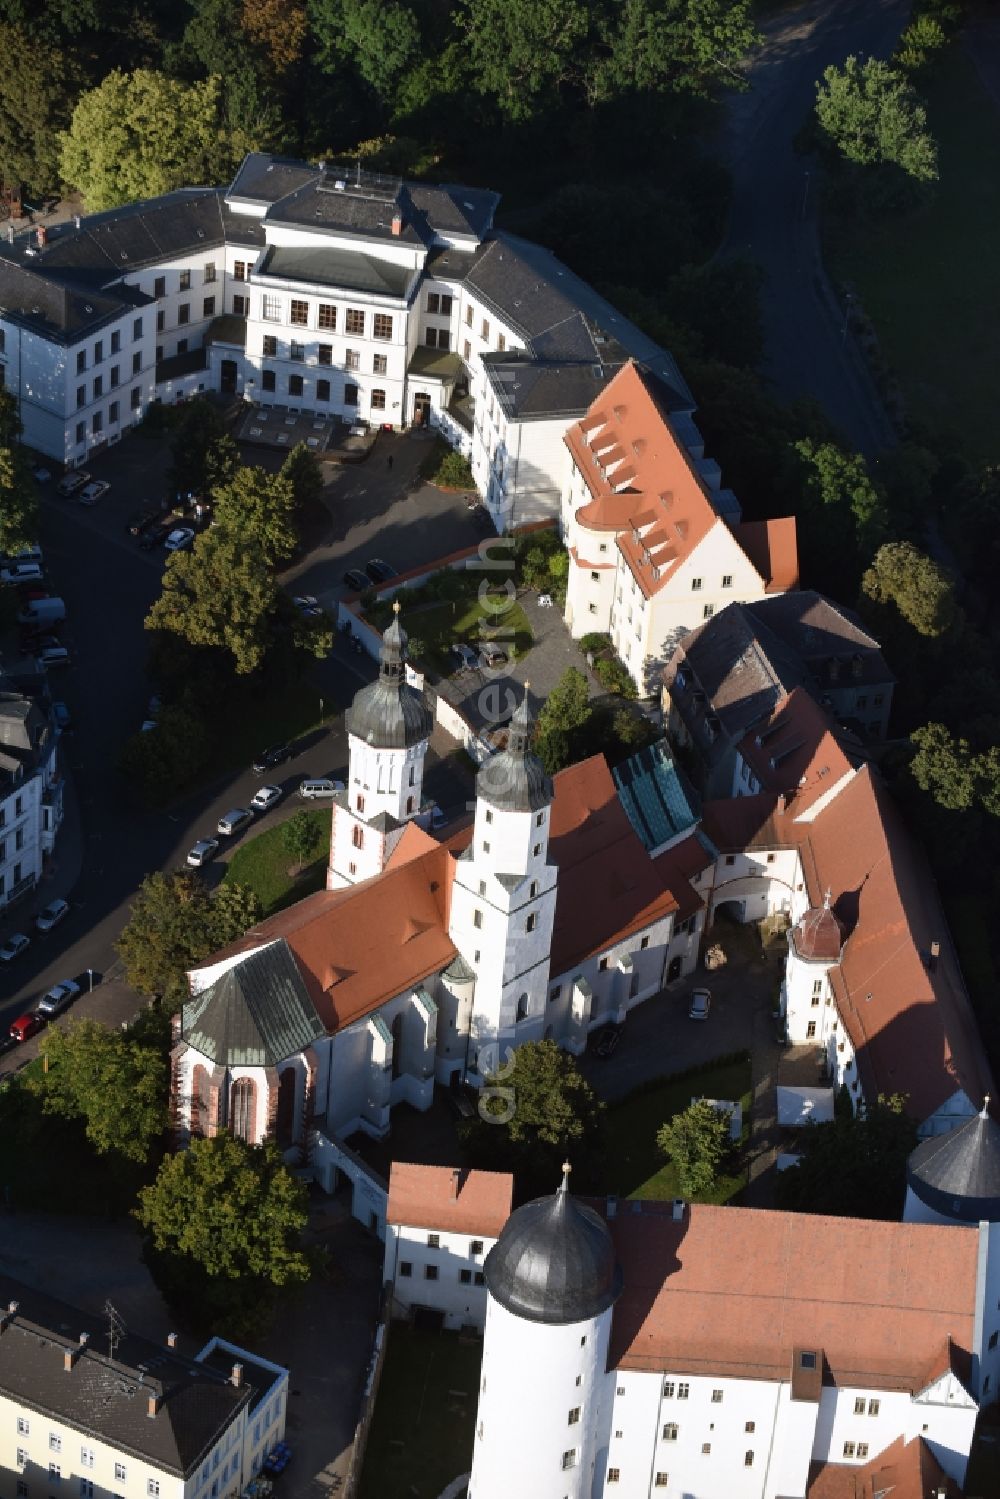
{"x": 453, "y": 472}
{"x": 614, "y": 675}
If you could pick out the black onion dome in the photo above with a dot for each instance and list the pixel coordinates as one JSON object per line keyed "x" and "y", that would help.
{"x": 554, "y": 1262}
{"x": 958, "y": 1174}
{"x": 514, "y": 780}
{"x": 389, "y": 714}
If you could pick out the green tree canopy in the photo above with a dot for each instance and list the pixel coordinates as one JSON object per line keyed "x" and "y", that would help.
{"x": 871, "y": 114}
{"x": 853, "y": 1167}
{"x": 203, "y": 455}
{"x": 37, "y": 87}
{"x": 944, "y": 766}
{"x": 161, "y": 761}
{"x": 258, "y": 510}
{"x": 18, "y": 501}
{"x": 175, "y": 922}
{"x": 113, "y": 1080}
{"x": 302, "y": 837}
{"x": 302, "y": 471}
{"x": 565, "y": 712}
{"x": 222, "y": 592}
{"x": 697, "y": 1141}
{"x": 139, "y": 134}
{"x": 379, "y": 38}
{"x": 921, "y": 590}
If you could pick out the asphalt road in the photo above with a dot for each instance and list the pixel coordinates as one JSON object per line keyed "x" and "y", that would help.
{"x": 773, "y": 211}
{"x": 108, "y": 585}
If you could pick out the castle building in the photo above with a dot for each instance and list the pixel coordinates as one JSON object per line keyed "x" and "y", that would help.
{"x": 648, "y": 1348}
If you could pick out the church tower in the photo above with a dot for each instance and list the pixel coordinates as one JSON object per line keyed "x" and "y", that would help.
{"x": 388, "y": 728}
{"x": 504, "y": 900}
{"x": 546, "y": 1394}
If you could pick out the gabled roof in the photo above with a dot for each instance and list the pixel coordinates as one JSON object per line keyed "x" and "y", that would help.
{"x": 734, "y": 1291}
{"x": 772, "y": 547}
{"x": 793, "y": 750}
{"x": 657, "y": 798}
{"x": 905, "y": 1470}
{"x": 449, "y": 1200}
{"x": 255, "y": 1014}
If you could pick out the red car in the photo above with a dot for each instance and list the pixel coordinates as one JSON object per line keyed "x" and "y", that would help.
{"x": 25, "y": 1026}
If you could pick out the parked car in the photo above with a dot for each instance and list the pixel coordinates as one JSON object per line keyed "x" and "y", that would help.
{"x": 308, "y": 604}
{"x": 72, "y": 481}
{"x": 26, "y": 1025}
{"x": 493, "y": 654}
{"x": 47, "y": 611}
{"x": 155, "y": 536}
{"x": 465, "y": 653}
{"x": 266, "y": 798}
{"x": 91, "y": 493}
{"x": 379, "y": 571}
{"x": 62, "y": 716}
{"x": 51, "y": 915}
{"x": 179, "y": 540}
{"x": 202, "y": 852}
{"x": 24, "y": 554}
{"x": 701, "y": 1003}
{"x": 269, "y": 758}
{"x": 608, "y": 1040}
{"x": 356, "y": 580}
{"x": 40, "y": 473}
{"x": 234, "y": 822}
{"x": 316, "y": 788}
{"x": 14, "y": 947}
{"x": 143, "y": 519}
{"x": 52, "y": 655}
{"x": 20, "y": 572}
{"x": 58, "y": 997}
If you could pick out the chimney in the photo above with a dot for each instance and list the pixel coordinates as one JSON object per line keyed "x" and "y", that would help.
{"x": 677, "y": 1210}
{"x": 456, "y": 1181}
{"x": 171, "y": 1340}
{"x": 935, "y": 953}
{"x": 782, "y": 802}
{"x": 71, "y": 1355}
{"x": 8, "y": 1316}
{"x": 41, "y": 236}
{"x": 397, "y": 223}
{"x": 153, "y": 1402}
{"x": 236, "y": 1378}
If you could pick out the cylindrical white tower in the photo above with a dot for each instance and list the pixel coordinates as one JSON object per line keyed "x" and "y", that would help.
{"x": 552, "y": 1282}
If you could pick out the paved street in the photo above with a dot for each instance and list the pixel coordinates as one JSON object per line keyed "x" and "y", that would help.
{"x": 773, "y": 212}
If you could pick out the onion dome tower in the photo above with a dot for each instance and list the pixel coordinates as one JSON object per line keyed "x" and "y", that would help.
{"x": 388, "y": 730}
{"x": 552, "y": 1281}
{"x": 818, "y": 936}
{"x": 955, "y": 1178}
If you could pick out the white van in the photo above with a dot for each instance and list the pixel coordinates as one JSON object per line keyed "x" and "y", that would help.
{"x": 315, "y": 789}
{"x": 234, "y": 822}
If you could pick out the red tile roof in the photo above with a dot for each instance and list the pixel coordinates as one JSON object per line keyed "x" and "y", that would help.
{"x": 795, "y": 751}
{"x": 773, "y": 548}
{"x": 452, "y": 1201}
{"x": 735, "y": 1291}
{"x": 905, "y": 1470}
{"x": 608, "y": 885}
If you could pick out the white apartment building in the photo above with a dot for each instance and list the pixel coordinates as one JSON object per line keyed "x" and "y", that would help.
{"x": 647, "y": 1348}
{"x": 31, "y": 793}
{"x": 88, "y": 1407}
{"x": 324, "y": 289}
{"x": 656, "y": 547}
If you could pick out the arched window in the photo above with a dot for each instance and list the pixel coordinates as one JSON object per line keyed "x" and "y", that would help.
{"x": 522, "y": 1007}
{"x": 413, "y": 775}
{"x": 243, "y": 1109}
{"x": 284, "y": 1123}
{"x": 358, "y": 837}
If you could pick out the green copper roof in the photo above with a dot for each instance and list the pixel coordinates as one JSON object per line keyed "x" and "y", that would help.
{"x": 655, "y": 795}
{"x": 256, "y": 1014}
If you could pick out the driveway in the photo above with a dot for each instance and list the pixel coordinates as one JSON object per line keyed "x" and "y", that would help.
{"x": 773, "y": 210}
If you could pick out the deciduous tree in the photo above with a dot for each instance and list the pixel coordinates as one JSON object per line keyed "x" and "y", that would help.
{"x": 112, "y": 1080}
{"x": 37, "y": 87}
{"x": 872, "y": 115}
{"x": 258, "y": 509}
{"x": 220, "y": 593}
{"x": 174, "y": 922}
{"x": 944, "y": 766}
{"x": 203, "y": 455}
{"x": 566, "y": 711}
{"x": 18, "y": 502}
{"x": 302, "y": 837}
{"x": 921, "y": 590}
{"x": 697, "y": 1141}
{"x": 302, "y": 470}
{"x": 854, "y": 1166}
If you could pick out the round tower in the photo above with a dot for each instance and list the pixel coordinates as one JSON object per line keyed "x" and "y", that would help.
{"x": 388, "y": 728}
{"x": 955, "y": 1178}
{"x": 552, "y": 1281}
{"x": 815, "y": 943}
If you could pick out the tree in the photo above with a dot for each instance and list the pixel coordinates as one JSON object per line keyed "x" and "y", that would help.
{"x": 37, "y": 87}
{"x": 111, "y": 1080}
{"x": 536, "y": 1108}
{"x": 139, "y": 134}
{"x": 919, "y": 42}
{"x": 380, "y": 38}
{"x": 871, "y": 114}
{"x": 224, "y": 1222}
{"x": 697, "y": 1141}
{"x": 258, "y": 509}
{"x": 565, "y": 712}
{"x": 278, "y": 28}
{"x": 174, "y": 923}
{"x": 836, "y": 478}
{"x": 677, "y": 46}
{"x": 944, "y": 766}
{"x": 222, "y": 592}
{"x": 522, "y": 51}
{"x": 302, "y": 471}
{"x": 18, "y": 502}
{"x": 921, "y": 590}
{"x": 854, "y": 1166}
{"x": 163, "y": 760}
{"x": 302, "y": 836}
{"x": 203, "y": 455}
{"x": 720, "y": 301}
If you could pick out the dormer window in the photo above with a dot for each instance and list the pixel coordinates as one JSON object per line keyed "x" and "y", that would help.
{"x": 807, "y": 1360}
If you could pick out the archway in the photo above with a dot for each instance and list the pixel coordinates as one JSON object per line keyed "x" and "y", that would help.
{"x": 243, "y": 1109}
{"x": 674, "y": 969}
{"x": 227, "y": 377}
{"x": 284, "y": 1123}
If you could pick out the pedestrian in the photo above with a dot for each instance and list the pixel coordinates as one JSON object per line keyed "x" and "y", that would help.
{"x": 388, "y": 463}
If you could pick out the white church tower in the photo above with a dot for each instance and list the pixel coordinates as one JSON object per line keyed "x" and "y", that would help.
{"x": 546, "y": 1395}
{"x": 504, "y": 900}
{"x": 388, "y": 728}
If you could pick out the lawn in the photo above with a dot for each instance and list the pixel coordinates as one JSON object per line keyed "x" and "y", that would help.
{"x": 436, "y": 625}
{"x": 422, "y": 1432}
{"x": 928, "y": 280}
{"x": 254, "y": 720}
{"x": 263, "y": 864}
{"x": 634, "y": 1166}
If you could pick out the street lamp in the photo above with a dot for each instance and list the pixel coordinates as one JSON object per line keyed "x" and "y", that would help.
{"x": 90, "y": 976}
{"x": 321, "y": 710}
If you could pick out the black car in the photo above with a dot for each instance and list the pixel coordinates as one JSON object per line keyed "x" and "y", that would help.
{"x": 155, "y": 536}
{"x": 276, "y": 755}
{"x": 356, "y": 580}
{"x": 607, "y": 1042}
{"x": 143, "y": 519}
{"x": 379, "y": 571}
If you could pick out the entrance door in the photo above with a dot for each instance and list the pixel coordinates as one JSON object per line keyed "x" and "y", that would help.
{"x": 674, "y": 970}
{"x": 228, "y": 377}
{"x": 421, "y": 409}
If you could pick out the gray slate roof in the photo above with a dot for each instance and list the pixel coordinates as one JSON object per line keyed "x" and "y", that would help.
{"x": 514, "y": 780}
{"x": 554, "y": 1262}
{"x": 256, "y": 1014}
{"x": 958, "y": 1174}
{"x": 24, "y": 733}
{"x": 107, "y": 1398}
{"x": 351, "y": 269}
{"x": 389, "y": 713}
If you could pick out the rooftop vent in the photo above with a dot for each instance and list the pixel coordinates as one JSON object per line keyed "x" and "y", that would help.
{"x": 677, "y": 1209}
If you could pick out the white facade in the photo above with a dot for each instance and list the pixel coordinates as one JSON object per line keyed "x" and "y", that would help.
{"x": 31, "y": 802}
{"x": 438, "y": 1271}
{"x": 383, "y": 783}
